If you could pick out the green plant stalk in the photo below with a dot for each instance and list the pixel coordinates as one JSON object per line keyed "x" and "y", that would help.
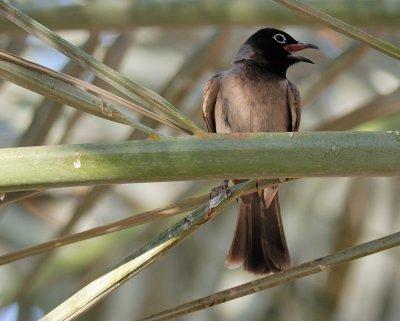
{"x": 218, "y": 156}
{"x": 62, "y": 92}
{"x": 98, "y": 289}
{"x": 101, "y": 15}
{"x": 280, "y": 278}
{"x": 137, "y": 93}
{"x": 342, "y": 27}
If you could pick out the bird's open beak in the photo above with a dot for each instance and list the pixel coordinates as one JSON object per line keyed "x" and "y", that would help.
{"x": 300, "y": 46}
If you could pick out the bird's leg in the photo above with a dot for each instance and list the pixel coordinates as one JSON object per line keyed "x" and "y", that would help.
{"x": 218, "y": 190}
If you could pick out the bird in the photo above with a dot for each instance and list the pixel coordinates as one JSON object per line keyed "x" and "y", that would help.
{"x": 254, "y": 95}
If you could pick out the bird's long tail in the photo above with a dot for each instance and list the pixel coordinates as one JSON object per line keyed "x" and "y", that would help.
{"x": 259, "y": 242}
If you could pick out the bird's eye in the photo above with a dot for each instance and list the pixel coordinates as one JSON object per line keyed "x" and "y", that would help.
{"x": 279, "y": 38}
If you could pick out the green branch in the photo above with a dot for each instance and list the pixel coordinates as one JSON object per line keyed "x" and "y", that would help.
{"x": 121, "y": 15}
{"x": 258, "y": 155}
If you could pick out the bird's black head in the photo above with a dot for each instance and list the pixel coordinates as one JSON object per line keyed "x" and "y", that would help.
{"x": 273, "y": 48}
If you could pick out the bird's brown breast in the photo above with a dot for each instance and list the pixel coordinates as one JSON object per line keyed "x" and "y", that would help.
{"x": 251, "y": 99}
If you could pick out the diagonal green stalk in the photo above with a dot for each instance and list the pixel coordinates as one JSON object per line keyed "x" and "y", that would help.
{"x": 274, "y": 280}
{"x": 132, "y": 90}
{"x": 58, "y": 90}
{"x": 342, "y": 27}
{"x": 23, "y": 63}
{"x": 101, "y": 287}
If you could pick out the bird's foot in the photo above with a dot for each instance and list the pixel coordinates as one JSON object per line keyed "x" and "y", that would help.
{"x": 218, "y": 190}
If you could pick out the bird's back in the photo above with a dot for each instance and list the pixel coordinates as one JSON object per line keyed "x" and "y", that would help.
{"x": 251, "y": 99}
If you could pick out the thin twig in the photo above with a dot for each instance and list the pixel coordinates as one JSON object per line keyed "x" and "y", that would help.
{"x": 134, "y": 220}
{"x": 342, "y": 27}
{"x": 9, "y": 198}
{"x": 280, "y": 278}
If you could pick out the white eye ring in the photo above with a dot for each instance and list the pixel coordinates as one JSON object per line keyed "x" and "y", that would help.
{"x": 279, "y": 38}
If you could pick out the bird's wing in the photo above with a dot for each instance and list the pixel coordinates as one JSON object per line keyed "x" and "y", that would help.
{"x": 294, "y": 101}
{"x": 209, "y": 98}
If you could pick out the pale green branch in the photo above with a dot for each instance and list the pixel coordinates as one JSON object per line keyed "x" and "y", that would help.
{"x": 230, "y": 156}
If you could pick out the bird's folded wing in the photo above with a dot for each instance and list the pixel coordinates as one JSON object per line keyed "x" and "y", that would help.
{"x": 293, "y": 96}
{"x": 209, "y": 98}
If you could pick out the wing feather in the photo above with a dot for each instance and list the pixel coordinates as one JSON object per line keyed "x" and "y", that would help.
{"x": 294, "y": 101}
{"x": 210, "y": 94}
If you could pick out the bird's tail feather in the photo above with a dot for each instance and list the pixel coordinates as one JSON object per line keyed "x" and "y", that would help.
{"x": 259, "y": 242}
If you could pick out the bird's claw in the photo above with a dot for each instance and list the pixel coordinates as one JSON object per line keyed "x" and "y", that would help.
{"x": 218, "y": 190}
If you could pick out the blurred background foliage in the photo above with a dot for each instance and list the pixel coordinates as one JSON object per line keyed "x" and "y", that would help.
{"x": 350, "y": 87}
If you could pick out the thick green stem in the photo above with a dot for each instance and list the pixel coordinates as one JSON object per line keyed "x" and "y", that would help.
{"x": 120, "y": 15}
{"x": 260, "y": 155}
